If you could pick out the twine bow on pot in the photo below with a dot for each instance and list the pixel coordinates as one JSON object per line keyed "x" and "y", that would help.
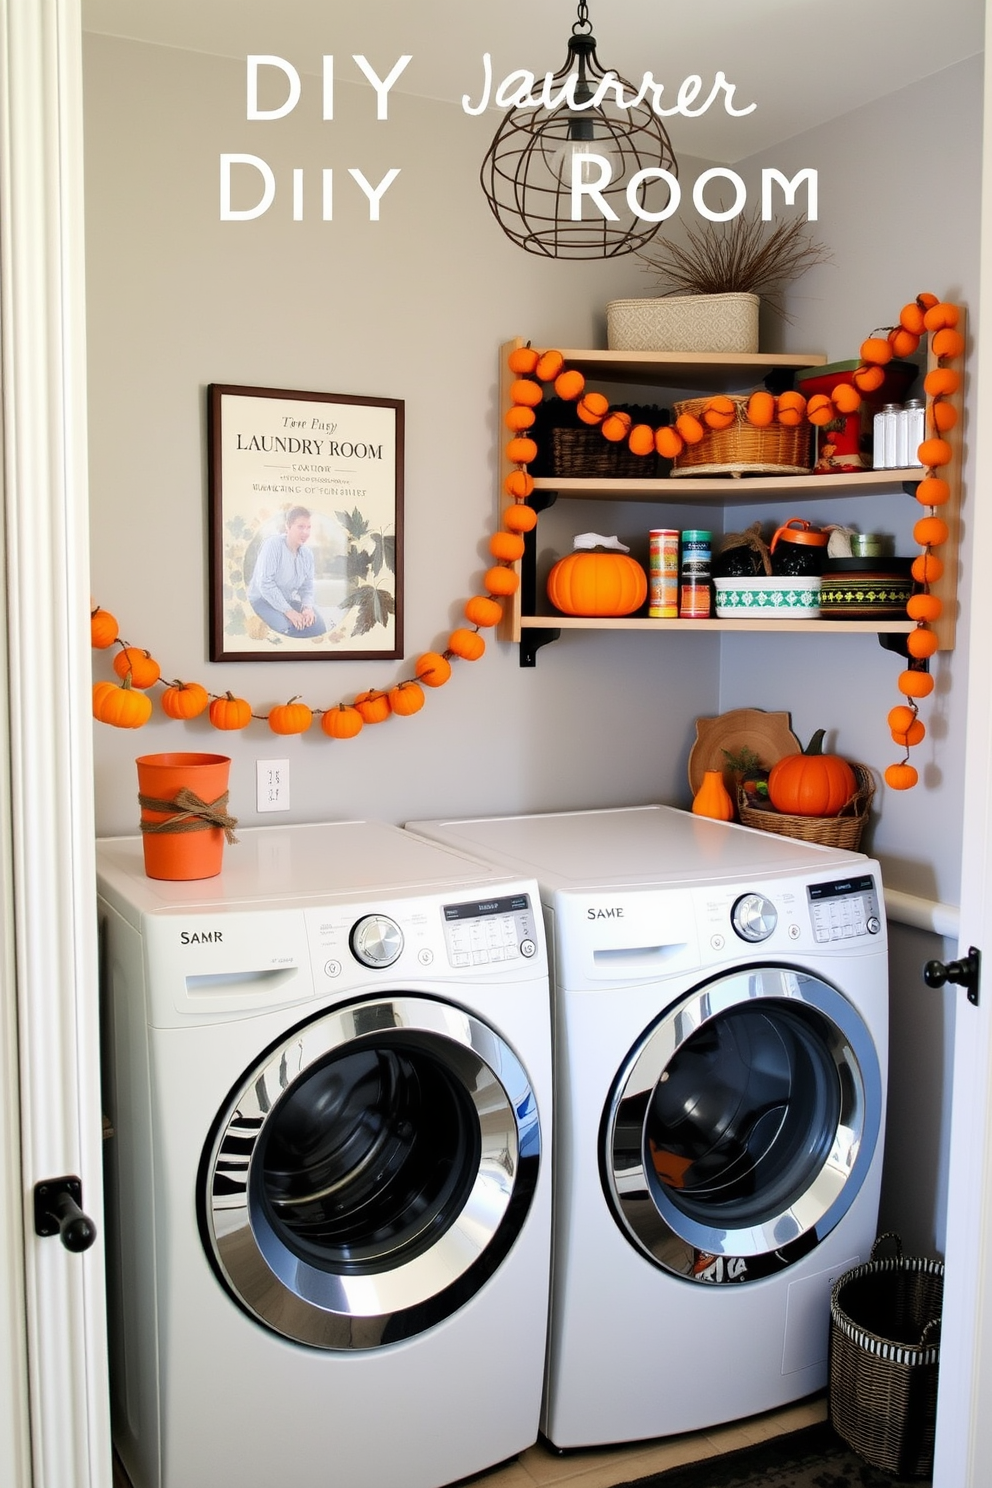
{"x": 188, "y": 813}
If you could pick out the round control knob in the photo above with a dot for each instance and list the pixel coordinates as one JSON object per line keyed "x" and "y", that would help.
{"x": 377, "y": 941}
{"x": 754, "y": 917}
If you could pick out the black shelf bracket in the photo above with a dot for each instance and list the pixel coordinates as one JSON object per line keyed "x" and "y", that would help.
{"x": 532, "y": 639}
{"x": 894, "y": 642}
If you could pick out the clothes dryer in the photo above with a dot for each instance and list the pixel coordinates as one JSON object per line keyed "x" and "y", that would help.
{"x": 328, "y": 1086}
{"x": 721, "y": 1033}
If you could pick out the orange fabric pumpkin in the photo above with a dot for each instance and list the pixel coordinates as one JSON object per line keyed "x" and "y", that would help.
{"x": 342, "y": 722}
{"x": 468, "y": 644}
{"x": 591, "y": 582}
{"x": 520, "y": 518}
{"x": 811, "y": 783}
{"x": 433, "y": 669}
{"x": 500, "y": 580}
{"x": 122, "y": 706}
{"x": 293, "y": 717}
{"x": 522, "y": 360}
{"x": 481, "y": 610}
{"x": 230, "y": 712}
{"x": 185, "y": 700}
{"x": 507, "y": 546}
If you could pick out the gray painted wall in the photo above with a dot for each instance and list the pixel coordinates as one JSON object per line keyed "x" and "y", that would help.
{"x": 415, "y": 307}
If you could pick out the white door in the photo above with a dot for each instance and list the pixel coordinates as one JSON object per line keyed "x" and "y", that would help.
{"x": 54, "y": 1430}
{"x": 964, "y": 1424}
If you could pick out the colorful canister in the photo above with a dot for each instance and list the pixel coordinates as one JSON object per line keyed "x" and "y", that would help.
{"x": 663, "y": 574}
{"x": 695, "y": 599}
{"x": 697, "y": 553}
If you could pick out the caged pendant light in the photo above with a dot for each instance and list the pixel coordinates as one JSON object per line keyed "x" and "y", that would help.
{"x": 580, "y": 135}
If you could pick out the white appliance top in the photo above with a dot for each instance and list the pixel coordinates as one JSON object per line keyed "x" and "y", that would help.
{"x": 638, "y": 846}
{"x": 299, "y": 864}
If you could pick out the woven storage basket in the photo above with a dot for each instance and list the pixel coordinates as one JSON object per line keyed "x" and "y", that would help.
{"x": 584, "y": 452}
{"x": 713, "y": 322}
{"x": 884, "y": 1359}
{"x": 744, "y": 449}
{"x": 843, "y": 830}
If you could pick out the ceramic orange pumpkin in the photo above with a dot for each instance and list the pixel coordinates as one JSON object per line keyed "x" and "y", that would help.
{"x": 185, "y": 700}
{"x": 811, "y": 783}
{"x": 123, "y": 706}
{"x": 713, "y": 798}
{"x": 373, "y": 705}
{"x": 342, "y": 722}
{"x": 138, "y": 667}
{"x": 597, "y": 581}
{"x": 406, "y": 698}
{"x": 230, "y": 712}
{"x": 293, "y": 717}
{"x": 103, "y": 629}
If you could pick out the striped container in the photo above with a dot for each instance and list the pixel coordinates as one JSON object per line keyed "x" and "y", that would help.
{"x": 663, "y": 573}
{"x": 884, "y": 1359}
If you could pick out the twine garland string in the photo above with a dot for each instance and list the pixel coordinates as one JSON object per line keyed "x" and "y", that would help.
{"x": 190, "y": 814}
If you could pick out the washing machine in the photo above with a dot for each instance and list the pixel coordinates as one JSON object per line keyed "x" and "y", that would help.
{"x": 328, "y": 1103}
{"x": 720, "y": 1062}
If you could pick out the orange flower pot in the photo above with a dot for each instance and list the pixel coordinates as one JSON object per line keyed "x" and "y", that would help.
{"x": 178, "y": 841}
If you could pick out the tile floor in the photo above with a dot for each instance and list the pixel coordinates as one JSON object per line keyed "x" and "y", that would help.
{"x": 604, "y": 1467}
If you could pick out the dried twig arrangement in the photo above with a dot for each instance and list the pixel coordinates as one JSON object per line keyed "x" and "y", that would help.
{"x": 742, "y": 256}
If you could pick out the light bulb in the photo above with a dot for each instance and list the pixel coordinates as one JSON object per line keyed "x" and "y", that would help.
{"x": 577, "y": 160}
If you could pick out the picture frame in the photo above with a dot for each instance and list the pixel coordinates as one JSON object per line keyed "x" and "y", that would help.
{"x": 306, "y": 525}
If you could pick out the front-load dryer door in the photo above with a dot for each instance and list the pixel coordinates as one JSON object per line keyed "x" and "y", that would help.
{"x": 742, "y": 1125}
{"x": 370, "y": 1172}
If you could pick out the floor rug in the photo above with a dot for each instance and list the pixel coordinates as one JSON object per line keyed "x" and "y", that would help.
{"x": 812, "y": 1458}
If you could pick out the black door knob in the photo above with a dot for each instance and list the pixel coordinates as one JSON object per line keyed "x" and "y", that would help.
{"x": 57, "y": 1212}
{"x": 964, "y": 973}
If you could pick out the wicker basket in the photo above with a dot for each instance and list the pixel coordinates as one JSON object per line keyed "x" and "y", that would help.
{"x": 584, "y": 452}
{"x": 884, "y": 1359}
{"x": 843, "y": 830}
{"x": 744, "y": 449}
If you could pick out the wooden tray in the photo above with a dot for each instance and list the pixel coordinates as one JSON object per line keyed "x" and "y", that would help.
{"x": 768, "y": 734}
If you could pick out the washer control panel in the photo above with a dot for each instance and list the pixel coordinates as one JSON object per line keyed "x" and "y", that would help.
{"x": 844, "y": 909}
{"x": 484, "y": 932}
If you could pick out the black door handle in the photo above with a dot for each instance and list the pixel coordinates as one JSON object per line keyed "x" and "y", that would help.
{"x": 57, "y": 1212}
{"x": 964, "y": 973}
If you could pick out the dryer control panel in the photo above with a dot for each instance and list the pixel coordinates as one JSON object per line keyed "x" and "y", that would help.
{"x": 482, "y": 932}
{"x": 844, "y": 909}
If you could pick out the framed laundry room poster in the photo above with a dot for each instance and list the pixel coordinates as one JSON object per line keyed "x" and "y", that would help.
{"x": 306, "y": 525}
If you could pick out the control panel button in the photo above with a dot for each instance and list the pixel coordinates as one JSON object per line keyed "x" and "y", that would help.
{"x": 874, "y": 924}
{"x": 332, "y": 968}
{"x": 754, "y": 917}
{"x": 425, "y": 956}
{"x": 528, "y": 948}
{"x": 377, "y": 941}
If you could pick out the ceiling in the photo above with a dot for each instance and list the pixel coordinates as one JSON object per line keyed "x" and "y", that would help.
{"x": 802, "y": 62}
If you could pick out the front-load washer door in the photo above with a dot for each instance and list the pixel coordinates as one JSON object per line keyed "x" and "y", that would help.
{"x": 742, "y": 1125}
{"x": 370, "y": 1172}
